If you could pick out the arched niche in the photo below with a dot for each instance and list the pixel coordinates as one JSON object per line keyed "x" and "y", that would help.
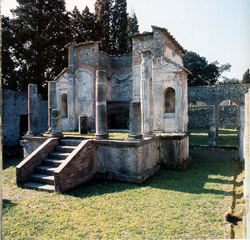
{"x": 228, "y": 102}
{"x": 197, "y": 104}
{"x": 64, "y": 105}
{"x": 169, "y": 101}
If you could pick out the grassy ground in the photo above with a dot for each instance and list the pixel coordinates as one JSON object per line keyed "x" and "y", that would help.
{"x": 170, "y": 205}
{"x": 227, "y": 137}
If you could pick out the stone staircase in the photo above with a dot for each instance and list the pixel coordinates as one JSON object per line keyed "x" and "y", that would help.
{"x": 43, "y": 176}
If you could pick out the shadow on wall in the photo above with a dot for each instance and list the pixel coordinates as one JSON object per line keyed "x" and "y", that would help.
{"x": 193, "y": 180}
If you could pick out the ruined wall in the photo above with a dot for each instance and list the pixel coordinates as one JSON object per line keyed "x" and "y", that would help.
{"x": 198, "y": 117}
{"x": 14, "y": 117}
{"x": 214, "y": 95}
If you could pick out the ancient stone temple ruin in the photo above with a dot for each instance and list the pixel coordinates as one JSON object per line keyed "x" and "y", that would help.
{"x": 145, "y": 93}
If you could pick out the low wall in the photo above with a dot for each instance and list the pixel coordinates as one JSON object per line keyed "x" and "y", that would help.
{"x": 15, "y": 118}
{"x": 198, "y": 117}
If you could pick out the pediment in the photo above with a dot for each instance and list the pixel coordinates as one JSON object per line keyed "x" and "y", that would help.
{"x": 165, "y": 65}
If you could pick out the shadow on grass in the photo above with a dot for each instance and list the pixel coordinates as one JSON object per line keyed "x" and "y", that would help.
{"x": 11, "y": 162}
{"x": 7, "y": 204}
{"x": 208, "y": 166}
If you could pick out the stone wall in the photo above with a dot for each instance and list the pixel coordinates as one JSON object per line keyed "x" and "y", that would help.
{"x": 246, "y": 157}
{"x": 15, "y": 118}
{"x": 214, "y": 95}
{"x": 198, "y": 117}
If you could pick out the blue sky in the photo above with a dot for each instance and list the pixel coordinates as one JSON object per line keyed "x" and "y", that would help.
{"x": 216, "y": 29}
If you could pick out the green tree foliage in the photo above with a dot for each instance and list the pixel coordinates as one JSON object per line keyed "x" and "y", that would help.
{"x": 226, "y": 81}
{"x": 116, "y": 26}
{"x": 83, "y": 26}
{"x": 104, "y": 16}
{"x": 246, "y": 77}
{"x": 8, "y": 65}
{"x": 119, "y": 28}
{"x": 203, "y": 73}
{"x": 39, "y": 32}
{"x": 133, "y": 28}
{"x": 33, "y": 41}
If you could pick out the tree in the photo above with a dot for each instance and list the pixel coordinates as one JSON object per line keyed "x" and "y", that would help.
{"x": 133, "y": 28}
{"x": 246, "y": 77}
{"x": 83, "y": 26}
{"x": 9, "y": 79}
{"x": 103, "y": 12}
{"x": 202, "y": 72}
{"x": 229, "y": 81}
{"x": 40, "y": 31}
{"x": 119, "y": 27}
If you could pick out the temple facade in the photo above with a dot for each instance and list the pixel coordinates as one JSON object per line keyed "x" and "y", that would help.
{"x": 154, "y": 76}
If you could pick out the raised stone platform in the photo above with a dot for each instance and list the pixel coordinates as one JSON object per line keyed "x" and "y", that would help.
{"x": 132, "y": 160}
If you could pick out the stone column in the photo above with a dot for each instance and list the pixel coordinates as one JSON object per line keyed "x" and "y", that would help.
{"x": 83, "y": 124}
{"x": 101, "y": 106}
{"x": 241, "y": 132}
{"x": 238, "y": 121}
{"x": 135, "y": 120}
{"x": 217, "y": 120}
{"x": 246, "y": 145}
{"x": 51, "y": 102}
{"x": 32, "y": 110}
{"x": 56, "y": 123}
{"x": 146, "y": 95}
{"x": 212, "y": 127}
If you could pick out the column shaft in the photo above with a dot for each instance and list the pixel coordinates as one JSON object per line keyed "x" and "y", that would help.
{"x": 212, "y": 127}
{"x": 146, "y": 95}
{"x": 101, "y": 106}
{"x": 32, "y": 110}
{"x": 135, "y": 120}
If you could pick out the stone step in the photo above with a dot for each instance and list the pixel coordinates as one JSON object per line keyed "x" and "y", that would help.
{"x": 58, "y": 155}
{"x": 42, "y": 178}
{"x": 45, "y": 169}
{"x": 52, "y": 162}
{"x": 65, "y": 149}
{"x": 70, "y": 142}
{"x": 39, "y": 186}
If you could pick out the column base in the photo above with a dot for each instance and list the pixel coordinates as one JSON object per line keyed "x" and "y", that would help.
{"x": 148, "y": 135}
{"x": 211, "y": 143}
{"x": 48, "y": 131}
{"x": 56, "y": 135}
{"x": 135, "y": 137}
{"x": 32, "y": 133}
{"x": 102, "y": 136}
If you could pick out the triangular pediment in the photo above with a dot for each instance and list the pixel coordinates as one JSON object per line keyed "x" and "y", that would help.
{"x": 165, "y": 65}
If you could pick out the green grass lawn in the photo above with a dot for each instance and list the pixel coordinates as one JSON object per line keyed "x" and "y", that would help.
{"x": 227, "y": 137}
{"x": 170, "y": 205}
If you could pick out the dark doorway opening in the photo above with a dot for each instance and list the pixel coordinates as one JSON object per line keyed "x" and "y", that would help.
{"x": 23, "y": 125}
